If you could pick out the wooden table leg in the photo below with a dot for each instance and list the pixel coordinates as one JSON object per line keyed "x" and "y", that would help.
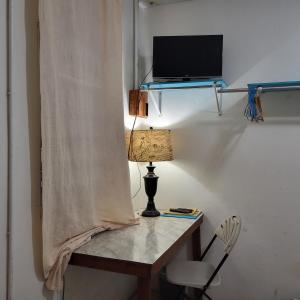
{"x": 196, "y": 244}
{"x": 144, "y": 288}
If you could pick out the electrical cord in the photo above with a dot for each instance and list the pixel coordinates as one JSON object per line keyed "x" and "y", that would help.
{"x": 130, "y": 151}
{"x": 130, "y": 148}
{"x": 140, "y": 182}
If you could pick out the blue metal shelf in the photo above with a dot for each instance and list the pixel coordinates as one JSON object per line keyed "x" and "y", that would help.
{"x": 195, "y": 84}
{"x": 275, "y": 84}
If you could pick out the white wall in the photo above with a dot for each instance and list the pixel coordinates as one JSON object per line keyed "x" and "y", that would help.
{"x": 227, "y": 165}
{"x": 3, "y": 148}
{"x": 27, "y": 279}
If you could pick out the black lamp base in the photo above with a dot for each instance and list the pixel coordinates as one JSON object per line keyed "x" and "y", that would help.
{"x": 150, "y": 213}
{"x": 150, "y": 180}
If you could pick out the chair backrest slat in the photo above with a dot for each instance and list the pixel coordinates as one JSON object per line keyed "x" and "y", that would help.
{"x": 229, "y": 231}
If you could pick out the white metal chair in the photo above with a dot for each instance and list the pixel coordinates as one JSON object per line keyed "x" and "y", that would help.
{"x": 202, "y": 275}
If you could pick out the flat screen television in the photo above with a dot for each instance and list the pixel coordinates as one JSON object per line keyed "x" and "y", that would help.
{"x": 187, "y": 57}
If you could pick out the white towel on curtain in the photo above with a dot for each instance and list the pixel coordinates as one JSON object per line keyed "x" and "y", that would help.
{"x": 85, "y": 170}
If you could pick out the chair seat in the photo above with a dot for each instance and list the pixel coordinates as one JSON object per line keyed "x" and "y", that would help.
{"x": 191, "y": 273}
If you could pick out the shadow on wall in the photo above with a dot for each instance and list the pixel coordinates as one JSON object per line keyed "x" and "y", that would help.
{"x": 86, "y": 283}
{"x": 34, "y": 108}
{"x": 237, "y": 62}
{"x": 284, "y": 106}
{"x": 204, "y": 160}
{"x": 283, "y": 53}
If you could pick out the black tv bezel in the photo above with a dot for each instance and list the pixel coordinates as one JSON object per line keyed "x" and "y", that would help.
{"x": 182, "y": 78}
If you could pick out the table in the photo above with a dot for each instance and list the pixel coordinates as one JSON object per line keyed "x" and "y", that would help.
{"x": 140, "y": 250}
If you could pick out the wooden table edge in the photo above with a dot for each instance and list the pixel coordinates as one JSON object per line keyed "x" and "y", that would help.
{"x": 111, "y": 264}
{"x": 172, "y": 250}
{"x": 138, "y": 268}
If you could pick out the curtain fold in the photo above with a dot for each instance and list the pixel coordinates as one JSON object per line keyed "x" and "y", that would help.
{"x": 85, "y": 171}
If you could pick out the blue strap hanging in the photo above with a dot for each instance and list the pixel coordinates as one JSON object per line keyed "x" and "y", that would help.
{"x": 251, "y": 110}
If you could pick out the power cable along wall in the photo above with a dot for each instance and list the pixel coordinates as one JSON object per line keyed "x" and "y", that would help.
{"x": 85, "y": 171}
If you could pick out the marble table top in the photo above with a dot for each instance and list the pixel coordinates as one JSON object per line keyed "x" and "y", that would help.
{"x": 143, "y": 243}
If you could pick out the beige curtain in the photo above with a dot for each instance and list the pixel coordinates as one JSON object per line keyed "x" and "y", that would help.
{"x": 85, "y": 171}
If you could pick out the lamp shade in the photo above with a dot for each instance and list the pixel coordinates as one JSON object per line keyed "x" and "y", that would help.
{"x": 150, "y": 145}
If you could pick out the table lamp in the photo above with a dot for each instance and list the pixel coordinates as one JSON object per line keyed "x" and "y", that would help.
{"x": 150, "y": 146}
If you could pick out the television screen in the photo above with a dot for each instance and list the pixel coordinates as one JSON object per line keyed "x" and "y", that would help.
{"x": 187, "y": 57}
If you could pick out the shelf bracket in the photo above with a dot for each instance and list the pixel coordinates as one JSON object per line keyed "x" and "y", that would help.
{"x": 157, "y": 104}
{"x": 218, "y": 99}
